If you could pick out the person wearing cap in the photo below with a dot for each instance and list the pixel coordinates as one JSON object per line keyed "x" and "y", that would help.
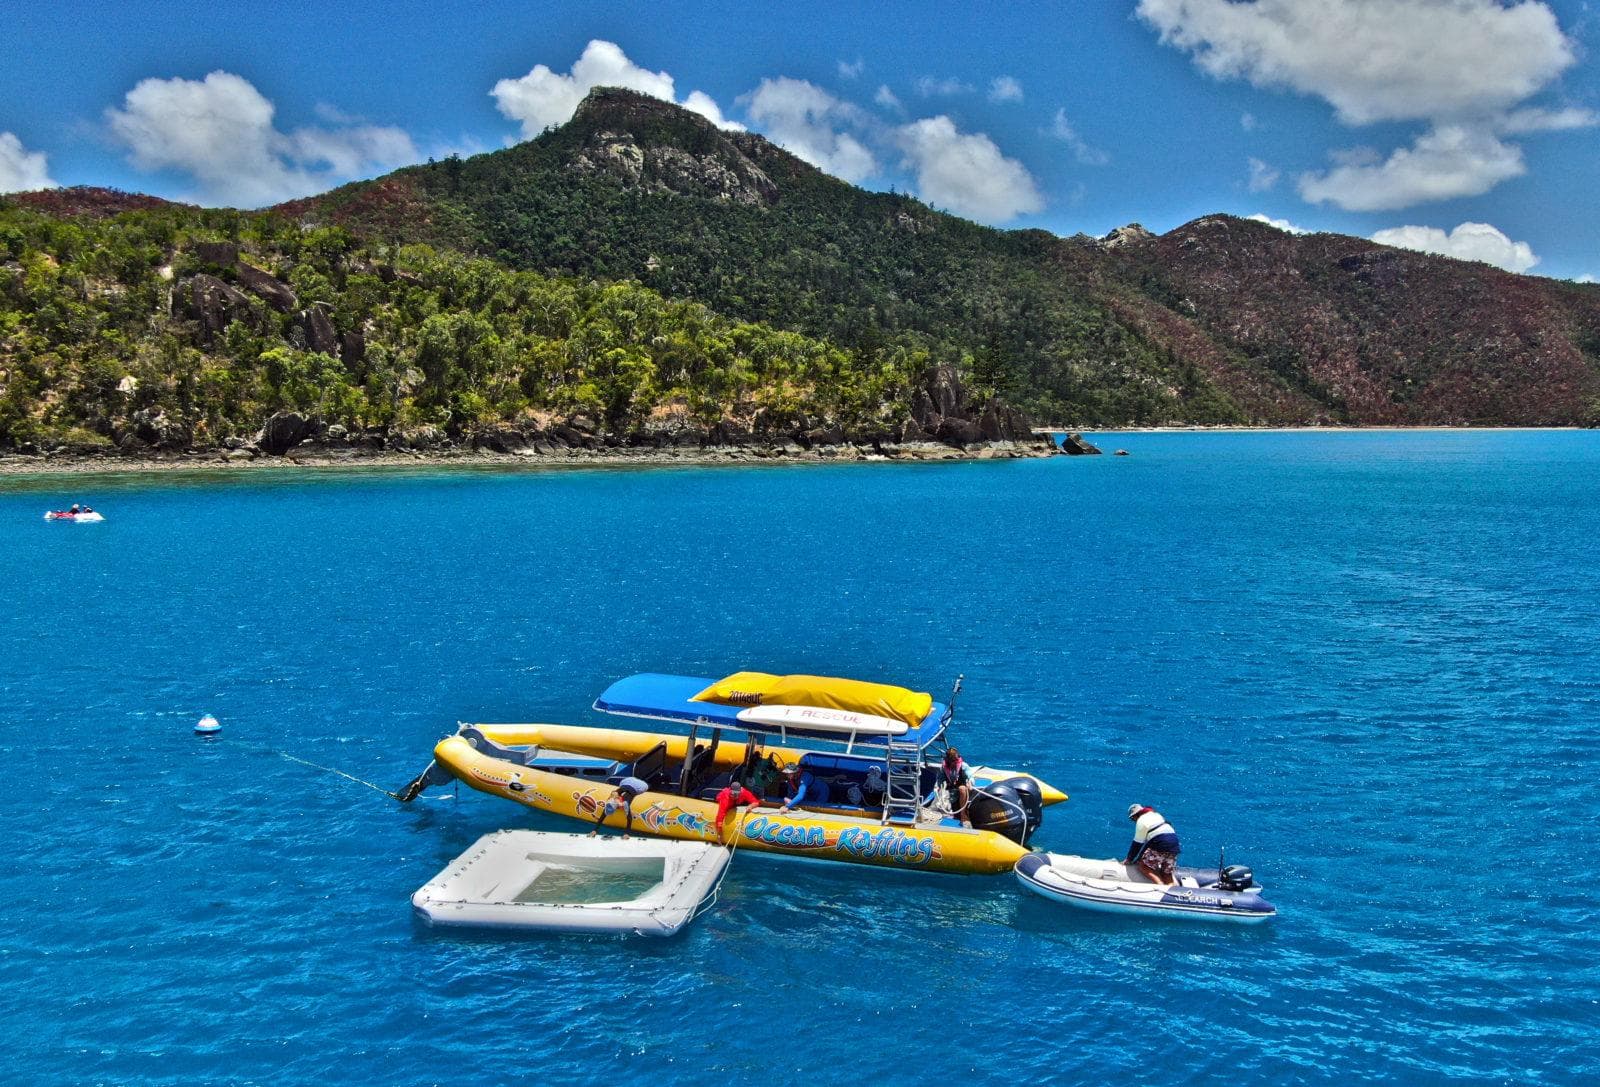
{"x": 627, "y": 789}
{"x": 958, "y": 782}
{"x": 802, "y": 787}
{"x": 1155, "y": 844}
{"x": 734, "y": 795}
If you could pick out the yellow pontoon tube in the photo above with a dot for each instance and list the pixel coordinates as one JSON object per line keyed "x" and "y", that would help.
{"x": 856, "y": 840}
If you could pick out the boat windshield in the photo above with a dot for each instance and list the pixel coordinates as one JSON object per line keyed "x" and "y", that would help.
{"x": 656, "y": 697}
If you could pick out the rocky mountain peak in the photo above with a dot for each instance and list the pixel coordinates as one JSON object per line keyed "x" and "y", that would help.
{"x": 1132, "y": 234}
{"x": 655, "y": 146}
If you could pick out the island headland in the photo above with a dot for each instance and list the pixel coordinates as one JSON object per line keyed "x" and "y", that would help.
{"x": 638, "y": 284}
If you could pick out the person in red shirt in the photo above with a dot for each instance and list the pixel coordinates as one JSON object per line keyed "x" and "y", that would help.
{"x": 734, "y": 796}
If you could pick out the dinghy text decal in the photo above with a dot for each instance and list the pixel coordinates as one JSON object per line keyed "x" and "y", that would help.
{"x": 888, "y": 843}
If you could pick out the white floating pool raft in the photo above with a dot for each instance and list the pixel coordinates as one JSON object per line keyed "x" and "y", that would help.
{"x": 537, "y": 881}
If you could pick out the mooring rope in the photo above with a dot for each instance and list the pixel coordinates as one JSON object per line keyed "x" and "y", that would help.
{"x": 341, "y": 773}
{"x": 710, "y": 900}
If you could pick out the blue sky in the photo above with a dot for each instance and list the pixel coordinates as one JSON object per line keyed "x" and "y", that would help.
{"x": 1461, "y": 126}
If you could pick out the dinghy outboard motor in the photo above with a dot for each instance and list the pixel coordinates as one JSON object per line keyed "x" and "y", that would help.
{"x": 1235, "y": 877}
{"x": 1011, "y": 807}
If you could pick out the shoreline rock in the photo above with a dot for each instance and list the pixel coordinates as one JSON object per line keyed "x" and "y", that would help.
{"x": 310, "y": 453}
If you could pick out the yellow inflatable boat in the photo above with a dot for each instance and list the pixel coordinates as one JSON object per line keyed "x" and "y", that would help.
{"x": 877, "y": 790}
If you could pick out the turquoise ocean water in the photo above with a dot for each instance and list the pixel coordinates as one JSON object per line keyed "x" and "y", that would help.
{"x": 1365, "y": 662}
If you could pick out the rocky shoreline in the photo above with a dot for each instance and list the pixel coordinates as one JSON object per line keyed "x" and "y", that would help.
{"x": 74, "y": 462}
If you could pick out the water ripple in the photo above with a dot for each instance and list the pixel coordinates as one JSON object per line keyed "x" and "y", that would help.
{"x": 1364, "y": 664}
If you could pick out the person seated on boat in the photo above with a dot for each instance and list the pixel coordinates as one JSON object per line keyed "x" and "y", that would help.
{"x": 869, "y": 793}
{"x": 874, "y": 787}
{"x": 763, "y": 775}
{"x": 733, "y": 795}
{"x": 802, "y": 787}
{"x": 627, "y": 789}
{"x": 957, "y": 780}
{"x": 74, "y": 509}
{"x": 1155, "y": 845}
{"x": 87, "y": 509}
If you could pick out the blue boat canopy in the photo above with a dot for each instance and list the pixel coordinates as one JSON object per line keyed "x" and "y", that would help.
{"x": 657, "y": 697}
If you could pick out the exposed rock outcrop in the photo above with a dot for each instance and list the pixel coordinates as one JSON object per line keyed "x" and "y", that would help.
{"x": 213, "y": 304}
{"x": 942, "y": 408}
{"x": 319, "y": 331}
{"x": 154, "y": 428}
{"x": 282, "y": 432}
{"x": 707, "y": 164}
{"x": 503, "y": 439}
{"x": 1132, "y": 234}
{"x": 352, "y": 348}
{"x": 274, "y": 291}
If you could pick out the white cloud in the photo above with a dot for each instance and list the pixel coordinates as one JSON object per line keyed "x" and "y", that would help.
{"x": 852, "y": 69}
{"x": 345, "y": 152}
{"x": 1262, "y": 176}
{"x": 966, "y": 172}
{"x": 1247, "y": 121}
{"x": 809, "y": 122}
{"x": 930, "y": 87}
{"x": 1062, "y": 129}
{"x": 1462, "y": 66}
{"x": 1282, "y": 224}
{"x": 1005, "y": 89}
{"x": 1521, "y": 121}
{"x": 1586, "y": 278}
{"x": 1469, "y": 241}
{"x": 22, "y": 170}
{"x": 1445, "y": 162}
{"x": 219, "y": 130}
{"x": 702, "y": 103}
{"x": 1375, "y": 60}
{"x": 543, "y": 97}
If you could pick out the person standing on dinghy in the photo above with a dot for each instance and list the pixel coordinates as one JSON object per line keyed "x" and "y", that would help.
{"x": 1155, "y": 844}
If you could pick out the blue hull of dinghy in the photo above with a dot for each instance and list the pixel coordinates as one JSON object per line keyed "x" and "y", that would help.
{"x": 1179, "y": 903}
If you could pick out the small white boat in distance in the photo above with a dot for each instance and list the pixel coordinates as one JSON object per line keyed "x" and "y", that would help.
{"x": 1202, "y": 894}
{"x": 86, "y": 517}
{"x": 537, "y": 881}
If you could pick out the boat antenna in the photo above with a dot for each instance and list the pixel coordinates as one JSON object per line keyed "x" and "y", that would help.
{"x": 950, "y": 707}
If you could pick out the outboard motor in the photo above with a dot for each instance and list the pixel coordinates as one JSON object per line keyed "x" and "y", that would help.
{"x": 1032, "y": 797}
{"x": 1235, "y": 877}
{"x": 1011, "y": 808}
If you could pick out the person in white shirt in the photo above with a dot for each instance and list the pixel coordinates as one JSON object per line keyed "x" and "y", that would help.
{"x": 1155, "y": 844}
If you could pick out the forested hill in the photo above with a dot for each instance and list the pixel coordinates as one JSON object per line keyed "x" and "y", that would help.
{"x": 176, "y": 328}
{"x": 1221, "y": 320}
{"x": 637, "y": 276}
